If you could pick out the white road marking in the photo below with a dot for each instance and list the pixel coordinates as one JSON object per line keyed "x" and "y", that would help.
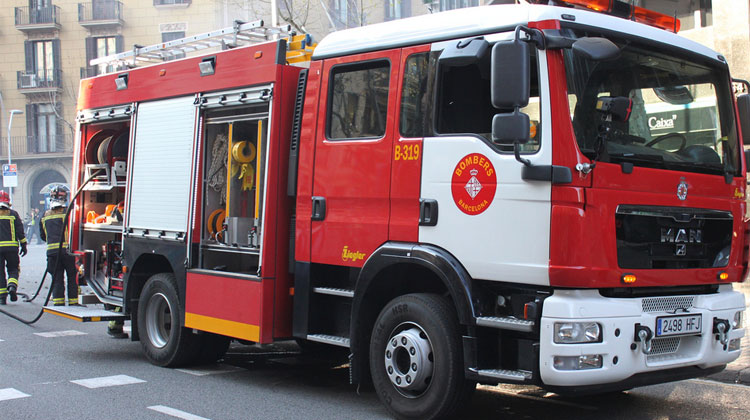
{"x": 11, "y": 394}
{"x": 175, "y": 413}
{"x": 1, "y": 339}
{"x": 210, "y": 370}
{"x": 54, "y": 334}
{"x": 105, "y": 381}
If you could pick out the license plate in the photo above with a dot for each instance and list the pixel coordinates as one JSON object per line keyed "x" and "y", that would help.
{"x": 678, "y": 325}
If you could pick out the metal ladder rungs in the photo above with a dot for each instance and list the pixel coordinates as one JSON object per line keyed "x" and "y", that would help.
{"x": 329, "y": 339}
{"x": 250, "y": 32}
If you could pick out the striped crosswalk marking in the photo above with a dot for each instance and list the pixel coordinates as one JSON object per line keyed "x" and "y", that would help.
{"x": 106, "y": 381}
{"x": 175, "y": 413}
{"x": 54, "y": 334}
{"x": 211, "y": 370}
{"x": 11, "y": 394}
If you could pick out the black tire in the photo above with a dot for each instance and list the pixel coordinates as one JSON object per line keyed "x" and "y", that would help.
{"x": 419, "y": 375}
{"x": 164, "y": 340}
{"x": 212, "y": 347}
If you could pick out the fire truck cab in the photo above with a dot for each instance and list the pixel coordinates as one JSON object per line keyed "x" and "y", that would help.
{"x": 525, "y": 194}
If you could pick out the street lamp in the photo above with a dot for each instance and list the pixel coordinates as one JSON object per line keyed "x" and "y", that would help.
{"x": 10, "y": 122}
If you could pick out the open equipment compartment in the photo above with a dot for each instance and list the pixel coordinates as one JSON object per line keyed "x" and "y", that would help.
{"x": 236, "y": 140}
{"x": 104, "y": 154}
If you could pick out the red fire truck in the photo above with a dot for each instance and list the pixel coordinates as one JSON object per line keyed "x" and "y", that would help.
{"x": 525, "y": 194}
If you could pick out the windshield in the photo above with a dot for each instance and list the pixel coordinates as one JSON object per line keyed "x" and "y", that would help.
{"x": 682, "y": 115}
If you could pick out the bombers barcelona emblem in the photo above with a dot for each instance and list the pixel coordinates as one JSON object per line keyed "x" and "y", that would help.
{"x": 474, "y": 183}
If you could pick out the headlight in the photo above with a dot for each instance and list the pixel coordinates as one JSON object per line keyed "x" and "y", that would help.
{"x": 739, "y": 320}
{"x": 577, "y": 332}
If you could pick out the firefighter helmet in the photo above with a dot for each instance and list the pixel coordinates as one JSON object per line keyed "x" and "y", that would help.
{"x": 59, "y": 193}
{"x": 4, "y": 200}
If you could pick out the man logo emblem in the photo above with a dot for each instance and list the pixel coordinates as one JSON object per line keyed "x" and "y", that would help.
{"x": 680, "y": 250}
{"x": 682, "y": 190}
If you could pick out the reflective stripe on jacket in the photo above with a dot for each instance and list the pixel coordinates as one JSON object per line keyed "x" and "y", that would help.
{"x": 52, "y": 230}
{"x": 11, "y": 229}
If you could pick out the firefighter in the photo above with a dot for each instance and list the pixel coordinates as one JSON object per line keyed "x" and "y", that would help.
{"x": 52, "y": 230}
{"x": 11, "y": 235}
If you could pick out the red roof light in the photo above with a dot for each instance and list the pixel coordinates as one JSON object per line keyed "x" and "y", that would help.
{"x": 627, "y": 11}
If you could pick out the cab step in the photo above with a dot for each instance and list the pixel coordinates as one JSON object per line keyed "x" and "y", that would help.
{"x": 334, "y": 291}
{"x": 85, "y": 313}
{"x": 506, "y": 323}
{"x": 329, "y": 339}
{"x": 503, "y": 374}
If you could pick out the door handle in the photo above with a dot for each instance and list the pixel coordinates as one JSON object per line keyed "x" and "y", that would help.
{"x": 428, "y": 212}
{"x": 318, "y": 208}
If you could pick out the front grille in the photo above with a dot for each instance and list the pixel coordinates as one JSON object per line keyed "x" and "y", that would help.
{"x": 651, "y": 237}
{"x": 667, "y": 304}
{"x": 665, "y": 345}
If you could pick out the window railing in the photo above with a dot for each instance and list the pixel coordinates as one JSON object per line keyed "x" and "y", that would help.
{"x": 25, "y": 146}
{"x": 99, "y": 11}
{"x": 51, "y": 79}
{"x": 37, "y": 15}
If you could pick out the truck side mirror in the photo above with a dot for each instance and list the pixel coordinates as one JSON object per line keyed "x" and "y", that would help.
{"x": 510, "y": 78}
{"x": 743, "y": 107}
{"x": 511, "y": 127}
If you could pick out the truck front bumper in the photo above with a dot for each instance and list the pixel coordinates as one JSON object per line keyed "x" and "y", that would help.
{"x": 621, "y": 356}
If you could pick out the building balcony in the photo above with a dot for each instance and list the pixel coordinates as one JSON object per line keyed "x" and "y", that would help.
{"x": 36, "y": 147}
{"x": 100, "y": 14}
{"x": 42, "y": 81}
{"x": 30, "y": 19}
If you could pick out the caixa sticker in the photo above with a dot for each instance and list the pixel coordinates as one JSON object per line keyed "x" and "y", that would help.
{"x": 473, "y": 184}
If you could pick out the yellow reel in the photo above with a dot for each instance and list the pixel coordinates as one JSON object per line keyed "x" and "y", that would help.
{"x": 243, "y": 151}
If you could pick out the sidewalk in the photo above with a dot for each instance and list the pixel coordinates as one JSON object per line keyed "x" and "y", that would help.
{"x": 738, "y": 372}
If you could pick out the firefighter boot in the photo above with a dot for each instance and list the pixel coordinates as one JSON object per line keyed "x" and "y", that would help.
{"x": 2, "y": 299}
{"x": 12, "y": 292}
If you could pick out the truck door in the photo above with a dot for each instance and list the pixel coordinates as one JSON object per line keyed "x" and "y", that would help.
{"x": 351, "y": 181}
{"x": 492, "y": 220}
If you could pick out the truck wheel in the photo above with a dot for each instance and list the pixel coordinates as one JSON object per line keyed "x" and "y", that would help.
{"x": 163, "y": 338}
{"x": 416, "y": 358}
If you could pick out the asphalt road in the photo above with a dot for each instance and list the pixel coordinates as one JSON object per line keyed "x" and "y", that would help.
{"x": 75, "y": 371}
